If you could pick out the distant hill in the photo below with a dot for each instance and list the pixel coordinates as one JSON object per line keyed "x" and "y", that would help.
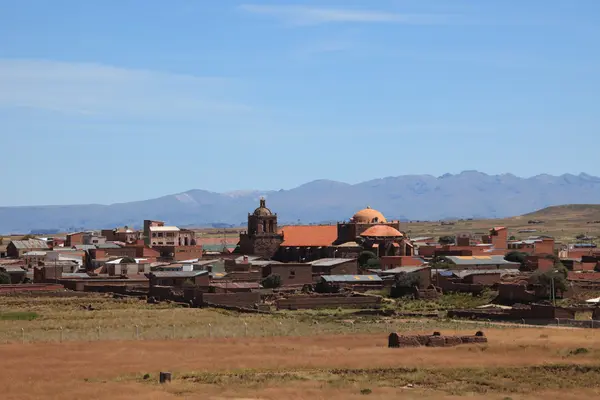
{"x": 568, "y": 211}
{"x": 470, "y": 194}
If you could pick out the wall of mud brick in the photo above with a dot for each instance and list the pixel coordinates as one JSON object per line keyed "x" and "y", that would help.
{"x": 245, "y": 300}
{"x": 308, "y": 302}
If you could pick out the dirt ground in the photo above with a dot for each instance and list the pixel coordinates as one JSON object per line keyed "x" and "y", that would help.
{"x": 326, "y": 367}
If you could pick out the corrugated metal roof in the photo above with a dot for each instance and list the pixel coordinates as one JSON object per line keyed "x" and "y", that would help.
{"x": 30, "y": 244}
{"x": 85, "y": 247}
{"x": 399, "y": 270}
{"x": 177, "y": 274}
{"x": 108, "y": 245}
{"x": 77, "y": 275}
{"x": 502, "y": 272}
{"x": 480, "y": 260}
{"x": 351, "y": 278}
{"x": 35, "y": 254}
{"x": 328, "y": 262}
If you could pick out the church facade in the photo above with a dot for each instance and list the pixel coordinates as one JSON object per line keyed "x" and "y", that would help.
{"x": 368, "y": 229}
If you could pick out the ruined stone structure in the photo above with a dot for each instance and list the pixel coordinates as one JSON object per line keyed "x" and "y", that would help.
{"x": 262, "y": 237}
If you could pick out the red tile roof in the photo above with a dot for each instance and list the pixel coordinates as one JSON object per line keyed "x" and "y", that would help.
{"x": 308, "y": 235}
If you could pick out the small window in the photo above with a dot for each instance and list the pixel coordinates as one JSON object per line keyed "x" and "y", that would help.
{"x": 292, "y": 273}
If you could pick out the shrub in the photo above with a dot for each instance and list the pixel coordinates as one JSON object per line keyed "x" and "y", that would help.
{"x": 272, "y": 281}
{"x": 4, "y": 278}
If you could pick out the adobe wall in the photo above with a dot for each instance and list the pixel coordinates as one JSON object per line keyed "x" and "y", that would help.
{"x": 245, "y": 300}
{"x": 308, "y": 302}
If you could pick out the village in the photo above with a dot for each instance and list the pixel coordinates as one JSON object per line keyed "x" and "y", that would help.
{"x": 366, "y": 262}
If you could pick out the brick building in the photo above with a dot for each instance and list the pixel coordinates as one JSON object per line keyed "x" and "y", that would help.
{"x": 17, "y": 248}
{"x": 291, "y": 274}
{"x": 124, "y": 234}
{"x": 179, "y": 278}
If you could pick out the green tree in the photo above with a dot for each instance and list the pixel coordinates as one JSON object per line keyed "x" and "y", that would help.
{"x": 445, "y": 240}
{"x": 4, "y": 278}
{"x": 559, "y": 274}
{"x": 364, "y": 257}
{"x": 373, "y": 263}
{"x": 516, "y": 256}
{"x": 272, "y": 281}
{"x": 127, "y": 260}
{"x": 404, "y": 284}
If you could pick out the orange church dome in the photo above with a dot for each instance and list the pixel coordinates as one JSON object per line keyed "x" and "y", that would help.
{"x": 368, "y": 216}
{"x": 381, "y": 231}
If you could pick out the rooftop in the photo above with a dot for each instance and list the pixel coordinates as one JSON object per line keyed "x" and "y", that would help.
{"x": 407, "y": 270}
{"x": 308, "y": 235}
{"x": 177, "y": 274}
{"x": 350, "y": 278}
{"x": 30, "y": 244}
{"x": 328, "y": 262}
{"x": 480, "y": 260}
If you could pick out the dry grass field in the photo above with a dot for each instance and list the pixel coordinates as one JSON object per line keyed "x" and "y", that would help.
{"x": 273, "y": 357}
{"x": 61, "y": 317}
{"x": 516, "y": 364}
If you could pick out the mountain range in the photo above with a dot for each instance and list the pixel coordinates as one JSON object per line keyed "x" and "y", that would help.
{"x": 469, "y": 194}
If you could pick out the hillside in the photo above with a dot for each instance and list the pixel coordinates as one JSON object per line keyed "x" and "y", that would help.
{"x": 581, "y": 212}
{"x": 470, "y": 194}
{"x": 563, "y": 222}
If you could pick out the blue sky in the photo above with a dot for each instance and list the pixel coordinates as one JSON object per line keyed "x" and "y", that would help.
{"x": 119, "y": 100}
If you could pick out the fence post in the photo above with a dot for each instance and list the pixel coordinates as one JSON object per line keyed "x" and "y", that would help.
{"x": 245, "y": 329}
{"x": 23, "y": 335}
{"x": 137, "y": 332}
{"x": 61, "y": 334}
{"x": 98, "y": 332}
{"x": 173, "y": 331}
{"x": 557, "y": 322}
{"x": 209, "y": 330}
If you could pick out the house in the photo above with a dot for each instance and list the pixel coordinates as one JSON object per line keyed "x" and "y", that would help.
{"x": 291, "y": 274}
{"x": 533, "y": 246}
{"x": 179, "y": 278}
{"x": 333, "y": 283}
{"x": 75, "y": 238}
{"x": 17, "y": 248}
{"x": 16, "y": 274}
{"x": 389, "y": 262}
{"x": 233, "y": 287}
{"x": 334, "y": 266}
{"x": 124, "y": 234}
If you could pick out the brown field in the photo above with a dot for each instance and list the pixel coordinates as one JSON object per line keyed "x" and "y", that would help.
{"x": 516, "y": 364}
{"x": 297, "y": 355}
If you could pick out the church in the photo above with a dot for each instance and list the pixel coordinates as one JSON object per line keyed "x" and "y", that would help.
{"x": 367, "y": 229}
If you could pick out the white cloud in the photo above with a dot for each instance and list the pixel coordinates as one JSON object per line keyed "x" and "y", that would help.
{"x": 106, "y": 91}
{"x": 302, "y": 15}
